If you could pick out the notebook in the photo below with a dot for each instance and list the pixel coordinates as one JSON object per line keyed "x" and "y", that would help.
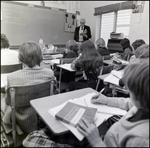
{"x": 118, "y": 74}
{"x": 72, "y": 114}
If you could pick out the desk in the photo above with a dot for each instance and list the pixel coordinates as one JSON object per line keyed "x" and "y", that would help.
{"x": 109, "y": 62}
{"x": 114, "y": 86}
{"x": 65, "y": 67}
{"x": 42, "y": 106}
{"x": 102, "y": 77}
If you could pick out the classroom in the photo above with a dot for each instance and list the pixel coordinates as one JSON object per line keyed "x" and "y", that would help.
{"x": 74, "y": 73}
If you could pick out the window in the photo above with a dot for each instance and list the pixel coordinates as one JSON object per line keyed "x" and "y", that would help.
{"x": 107, "y": 22}
{"x": 118, "y": 22}
{"x": 123, "y": 22}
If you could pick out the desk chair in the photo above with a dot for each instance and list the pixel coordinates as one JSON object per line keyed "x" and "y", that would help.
{"x": 64, "y": 85}
{"x": 21, "y": 96}
{"x": 104, "y": 70}
{"x": 10, "y": 68}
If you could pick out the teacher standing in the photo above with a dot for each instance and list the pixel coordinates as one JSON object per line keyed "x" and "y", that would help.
{"x": 83, "y": 32}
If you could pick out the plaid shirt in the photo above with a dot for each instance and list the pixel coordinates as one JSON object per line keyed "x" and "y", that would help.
{"x": 42, "y": 139}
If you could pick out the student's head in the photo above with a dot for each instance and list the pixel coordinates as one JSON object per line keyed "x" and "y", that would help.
{"x": 30, "y": 54}
{"x": 142, "y": 52}
{"x": 91, "y": 57}
{"x": 4, "y": 41}
{"x": 82, "y": 21}
{"x": 137, "y": 43}
{"x": 125, "y": 43}
{"x": 136, "y": 78}
{"x": 72, "y": 45}
{"x": 100, "y": 43}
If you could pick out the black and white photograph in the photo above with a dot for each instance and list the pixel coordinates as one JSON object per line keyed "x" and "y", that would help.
{"x": 75, "y": 73}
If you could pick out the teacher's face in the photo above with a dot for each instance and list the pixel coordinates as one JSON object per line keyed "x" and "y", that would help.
{"x": 82, "y": 22}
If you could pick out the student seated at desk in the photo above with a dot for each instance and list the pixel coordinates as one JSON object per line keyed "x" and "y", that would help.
{"x": 8, "y": 57}
{"x": 136, "y": 44}
{"x": 132, "y": 130}
{"x": 141, "y": 54}
{"x": 72, "y": 49}
{"x": 31, "y": 56}
{"x": 89, "y": 61}
{"x": 71, "y": 52}
{"x": 101, "y": 48}
{"x": 127, "y": 53}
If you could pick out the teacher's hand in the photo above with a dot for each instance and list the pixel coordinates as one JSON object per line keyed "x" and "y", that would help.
{"x": 89, "y": 130}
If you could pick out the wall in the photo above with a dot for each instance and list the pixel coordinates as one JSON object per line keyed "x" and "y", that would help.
{"x": 139, "y": 26}
{"x": 87, "y": 12}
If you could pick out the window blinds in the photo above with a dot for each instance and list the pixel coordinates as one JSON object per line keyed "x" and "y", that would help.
{"x": 107, "y": 22}
{"x": 123, "y": 22}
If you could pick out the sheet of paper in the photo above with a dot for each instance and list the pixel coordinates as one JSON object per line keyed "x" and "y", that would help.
{"x": 118, "y": 74}
{"x": 66, "y": 66}
{"x": 57, "y": 56}
{"x": 99, "y": 117}
{"x": 55, "y": 61}
{"x": 112, "y": 79}
{"x": 104, "y": 108}
{"x": 123, "y": 61}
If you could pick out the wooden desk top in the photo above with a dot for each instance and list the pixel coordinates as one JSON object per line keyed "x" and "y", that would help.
{"x": 102, "y": 77}
{"x": 109, "y": 62}
{"x": 42, "y": 106}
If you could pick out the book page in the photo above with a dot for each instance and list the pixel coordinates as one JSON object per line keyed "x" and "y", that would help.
{"x": 112, "y": 79}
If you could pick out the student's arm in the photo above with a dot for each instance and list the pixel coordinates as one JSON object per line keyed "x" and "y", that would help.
{"x": 120, "y": 102}
{"x": 76, "y": 64}
{"x": 90, "y": 131}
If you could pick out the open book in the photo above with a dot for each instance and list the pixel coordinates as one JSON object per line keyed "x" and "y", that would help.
{"x": 72, "y": 113}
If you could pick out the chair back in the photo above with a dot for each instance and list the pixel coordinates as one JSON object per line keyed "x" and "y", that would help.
{"x": 107, "y": 69}
{"x": 66, "y": 60}
{"x": 10, "y": 68}
{"x": 20, "y": 96}
{"x": 104, "y": 70}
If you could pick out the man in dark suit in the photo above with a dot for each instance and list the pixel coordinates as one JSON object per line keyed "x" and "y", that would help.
{"x": 83, "y": 32}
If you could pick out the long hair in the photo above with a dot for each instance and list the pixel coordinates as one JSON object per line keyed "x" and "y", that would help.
{"x": 90, "y": 57}
{"x": 125, "y": 43}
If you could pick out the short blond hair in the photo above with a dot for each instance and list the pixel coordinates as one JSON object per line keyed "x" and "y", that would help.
{"x": 72, "y": 45}
{"x": 142, "y": 52}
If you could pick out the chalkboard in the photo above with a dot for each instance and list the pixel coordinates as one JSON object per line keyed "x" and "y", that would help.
{"x": 21, "y": 23}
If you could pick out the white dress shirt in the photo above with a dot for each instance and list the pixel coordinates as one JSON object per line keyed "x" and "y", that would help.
{"x": 81, "y": 30}
{"x": 9, "y": 57}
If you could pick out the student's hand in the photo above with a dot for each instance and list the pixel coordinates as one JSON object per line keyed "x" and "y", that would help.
{"x": 89, "y": 130}
{"x": 99, "y": 99}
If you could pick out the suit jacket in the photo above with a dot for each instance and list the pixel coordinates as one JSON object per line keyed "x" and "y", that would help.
{"x": 26, "y": 116}
{"x": 76, "y": 34}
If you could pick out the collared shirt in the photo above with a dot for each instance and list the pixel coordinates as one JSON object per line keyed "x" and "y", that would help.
{"x": 9, "y": 57}
{"x": 81, "y": 30}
